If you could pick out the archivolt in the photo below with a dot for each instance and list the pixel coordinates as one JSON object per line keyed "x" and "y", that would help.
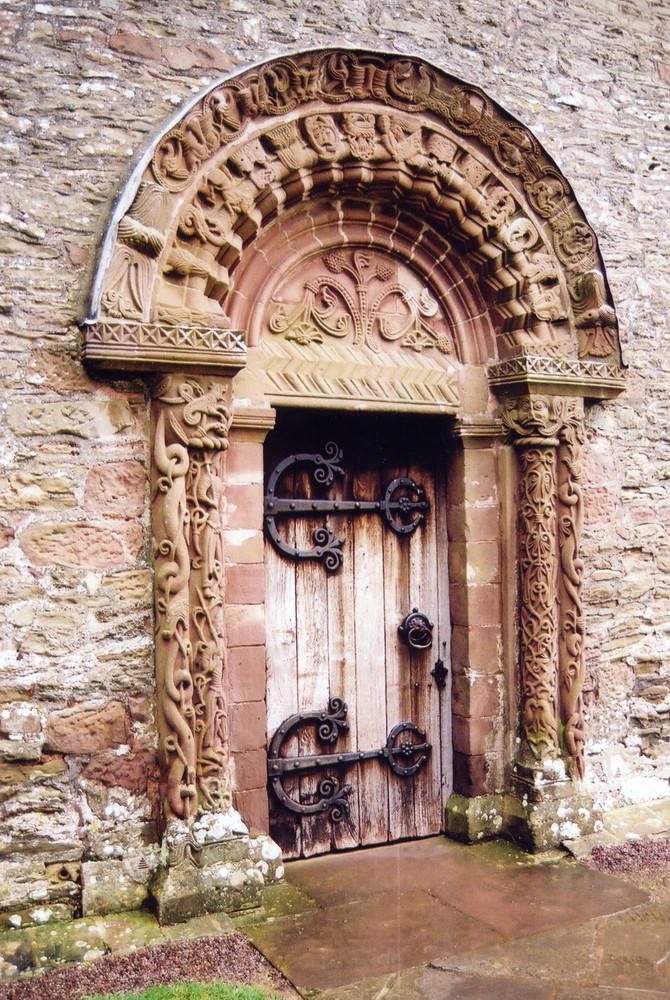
{"x": 428, "y": 169}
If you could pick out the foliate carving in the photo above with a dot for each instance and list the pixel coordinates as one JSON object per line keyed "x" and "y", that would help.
{"x": 191, "y": 432}
{"x": 571, "y": 667}
{"x": 361, "y": 295}
{"x": 125, "y": 295}
{"x": 534, "y": 429}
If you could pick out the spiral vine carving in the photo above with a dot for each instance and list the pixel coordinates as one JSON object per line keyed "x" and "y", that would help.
{"x": 191, "y": 421}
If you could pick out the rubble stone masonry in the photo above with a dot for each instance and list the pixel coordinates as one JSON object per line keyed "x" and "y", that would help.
{"x": 83, "y": 88}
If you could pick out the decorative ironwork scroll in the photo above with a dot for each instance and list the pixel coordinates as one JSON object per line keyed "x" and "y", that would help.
{"x": 404, "y": 506}
{"x": 191, "y": 432}
{"x": 404, "y": 758}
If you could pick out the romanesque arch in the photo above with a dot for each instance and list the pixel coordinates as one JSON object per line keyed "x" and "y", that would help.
{"x": 349, "y": 229}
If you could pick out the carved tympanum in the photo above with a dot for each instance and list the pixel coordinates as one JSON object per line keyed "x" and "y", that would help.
{"x": 191, "y": 420}
{"x": 359, "y": 295}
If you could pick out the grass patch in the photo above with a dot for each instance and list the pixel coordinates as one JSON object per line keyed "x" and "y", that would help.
{"x": 189, "y": 991}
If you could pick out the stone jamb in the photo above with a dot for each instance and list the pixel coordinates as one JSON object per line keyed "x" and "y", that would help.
{"x": 240, "y": 158}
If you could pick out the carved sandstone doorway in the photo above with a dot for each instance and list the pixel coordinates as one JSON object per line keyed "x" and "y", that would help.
{"x": 355, "y": 231}
{"x": 336, "y": 635}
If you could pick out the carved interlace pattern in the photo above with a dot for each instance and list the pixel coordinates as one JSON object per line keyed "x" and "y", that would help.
{"x": 548, "y": 435}
{"x": 191, "y": 431}
{"x": 571, "y": 665}
{"x": 535, "y": 437}
{"x": 365, "y": 301}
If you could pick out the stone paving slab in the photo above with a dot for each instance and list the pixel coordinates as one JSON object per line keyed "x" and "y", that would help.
{"x": 462, "y": 911}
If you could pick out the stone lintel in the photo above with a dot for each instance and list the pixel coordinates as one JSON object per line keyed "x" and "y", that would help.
{"x": 539, "y": 375}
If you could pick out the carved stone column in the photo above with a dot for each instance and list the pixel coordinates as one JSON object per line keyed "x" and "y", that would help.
{"x": 207, "y": 853}
{"x": 535, "y": 436}
{"x": 547, "y": 433}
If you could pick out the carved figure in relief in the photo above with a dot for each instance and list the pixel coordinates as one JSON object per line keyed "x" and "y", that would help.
{"x": 222, "y": 190}
{"x": 573, "y": 240}
{"x": 271, "y": 91}
{"x": 363, "y": 302}
{"x": 127, "y": 283}
{"x": 251, "y": 161}
{"x": 289, "y": 146}
{"x": 467, "y": 109}
{"x": 191, "y": 430}
{"x": 514, "y": 148}
{"x": 325, "y": 137}
{"x": 594, "y": 316}
{"x": 439, "y": 154}
{"x": 401, "y": 136}
{"x": 346, "y": 76}
{"x": 360, "y": 131}
{"x": 222, "y": 114}
{"x": 547, "y": 194}
{"x": 498, "y": 205}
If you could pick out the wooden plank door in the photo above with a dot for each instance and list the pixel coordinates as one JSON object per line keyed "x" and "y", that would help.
{"x": 336, "y": 634}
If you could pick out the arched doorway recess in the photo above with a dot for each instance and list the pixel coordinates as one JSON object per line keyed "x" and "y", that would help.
{"x": 353, "y": 231}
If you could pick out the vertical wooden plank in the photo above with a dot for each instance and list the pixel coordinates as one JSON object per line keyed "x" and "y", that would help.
{"x": 282, "y": 678}
{"x": 443, "y": 627}
{"x": 370, "y": 652}
{"x": 425, "y": 695}
{"x": 312, "y": 658}
{"x": 397, "y": 603}
{"x": 342, "y": 660}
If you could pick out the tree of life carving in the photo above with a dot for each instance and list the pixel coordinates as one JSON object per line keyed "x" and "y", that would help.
{"x": 362, "y": 295}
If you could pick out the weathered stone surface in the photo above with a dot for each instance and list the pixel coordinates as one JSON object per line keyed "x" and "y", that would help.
{"x": 87, "y": 728}
{"x": 117, "y": 489}
{"x": 82, "y": 544}
{"x": 84, "y": 419}
{"x": 130, "y": 771}
{"x": 114, "y": 886}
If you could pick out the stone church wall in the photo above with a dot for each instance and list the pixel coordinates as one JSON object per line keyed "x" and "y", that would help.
{"x": 83, "y": 89}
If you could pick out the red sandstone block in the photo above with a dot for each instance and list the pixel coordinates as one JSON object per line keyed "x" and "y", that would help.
{"x": 245, "y": 624}
{"x": 253, "y": 808}
{"x": 246, "y": 667}
{"x": 471, "y": 775}
{"x": 473, "y": 695}
{"x": 244, "y": 462}
{"x": 478, "y": 648}
{"x": 247, "y": 726}
{"x": 250, "y": 770}
{"x": 471, "y": 736}
{"x": 244, "y": 506}
{"x": 472, "y": 477}
{"x": 245, "y": 584}
{"x": 87, "y": 728}
{"x": 242, "y": 546}
{"x": 479, "y": 604}
{"x": 131, "y": 771}
{"x": 474, "y": 562}
{"x": 473, "y": 522}
{"x": 136, "y": 45}
{"x": 82, "y": 544}
{"x": 116, "y": 489}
